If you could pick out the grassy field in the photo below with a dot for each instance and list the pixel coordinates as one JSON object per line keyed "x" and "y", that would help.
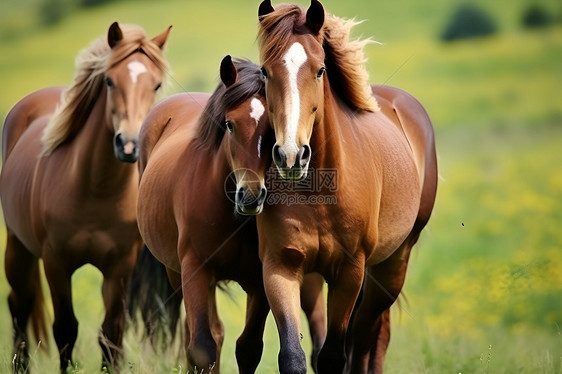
{"x": 484, "y": 288}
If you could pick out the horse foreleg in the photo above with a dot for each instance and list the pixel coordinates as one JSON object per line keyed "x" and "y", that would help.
{"x": 342, "y": 295}
{"x": 65, "y": 327}
{"x": 217, "y": 327}
{"x": 282, "y": 286}
{"x": 201, "y": 347}
{"x": 21, "y": 272}
{"x": 313, "y": 305}
{"x": 114, "y": 290}
{"x": 249, "y": 346}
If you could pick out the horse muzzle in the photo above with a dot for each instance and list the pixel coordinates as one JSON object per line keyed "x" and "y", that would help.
{"x": 250, "y": 202}
{"x": 126, "y": 150}
{"x": 299, "y": 169}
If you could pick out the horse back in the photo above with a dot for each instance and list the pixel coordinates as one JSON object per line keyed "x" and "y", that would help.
{"x": 412, "y": 119}
{"x": 27, "y": 110}
{"x": 165, "y": 117}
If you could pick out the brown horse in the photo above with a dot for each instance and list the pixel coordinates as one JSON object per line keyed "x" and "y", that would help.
{"x": 194, "y": 149}
{"x": 380, "y": 150}
{"x": 69, "y": 188}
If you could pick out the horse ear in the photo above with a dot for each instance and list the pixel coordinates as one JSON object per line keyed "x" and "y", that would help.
{"x": 228, "y": 71}
{"x": 161, "y": 38}
{"x": 114, "y": 34}
{"x": 265, "y": 8}
{"x": 315, "y": 16}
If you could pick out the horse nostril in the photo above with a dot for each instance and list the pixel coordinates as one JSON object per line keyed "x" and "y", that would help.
{"x": 240, "y": 196}
{"x": 305, "y": 153}
{"x": 262, "y": 195}
{"x": 279, "y": 156}
{"x": 118, "y": 141}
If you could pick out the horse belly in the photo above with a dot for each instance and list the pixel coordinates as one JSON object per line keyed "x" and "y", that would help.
{"x": 155, "y": 217}
{"x": 399, "y": 205}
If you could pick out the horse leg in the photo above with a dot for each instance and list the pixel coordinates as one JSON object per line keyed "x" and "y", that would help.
{"x": 249, "y": 346}
{"x": 217, "y": 327}
{"x": 371, "y": 325}
{"x": 201, "y": 347}
{"x": 378, "y": 352}
{"x": 282, "y": 287}
{"x": 342, "y": 295}
{"x": 312, "y": 302}
{"x": 114, "y": 292}
{"x": 65, "y": 327}
{"x": 22, "y": 269}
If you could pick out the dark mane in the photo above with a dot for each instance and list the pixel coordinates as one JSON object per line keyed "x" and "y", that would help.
{"x": 249, "y": 83}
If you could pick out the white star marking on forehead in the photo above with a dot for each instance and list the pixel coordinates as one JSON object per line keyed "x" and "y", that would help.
{"x": 257, "y": 110}
{"x": 135, "y": 69}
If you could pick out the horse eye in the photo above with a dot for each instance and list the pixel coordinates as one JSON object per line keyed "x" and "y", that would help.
{"x": 228, "y": 126}
{"x": 264, "y": 72}
{"x": 320, "y": 72}
{"x": 158, "y": 87}
{"x": 109, "y": 82}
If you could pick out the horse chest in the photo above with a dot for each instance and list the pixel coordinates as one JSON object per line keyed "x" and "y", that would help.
{"x": 89, "y": 229}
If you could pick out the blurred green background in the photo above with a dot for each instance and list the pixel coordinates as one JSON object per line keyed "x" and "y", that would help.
{"x": 484, "y": 287}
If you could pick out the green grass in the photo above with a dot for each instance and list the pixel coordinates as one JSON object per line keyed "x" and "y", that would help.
{"x": 486, "y": 271}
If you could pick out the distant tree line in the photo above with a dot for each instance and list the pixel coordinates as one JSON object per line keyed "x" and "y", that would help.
{"x": 53, "y": 11}
{"x": 470, "y": 21}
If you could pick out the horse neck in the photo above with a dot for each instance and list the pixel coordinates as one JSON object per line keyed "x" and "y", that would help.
{"x": 94, "y": 161}
{"x": 220, "y": 165}
{"x": 326, "y": 140}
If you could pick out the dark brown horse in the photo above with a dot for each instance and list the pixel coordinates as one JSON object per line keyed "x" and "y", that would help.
{"x": 380, "y": 150}
{"x": 69, "y": 188}
{"x": 203, "y": 163}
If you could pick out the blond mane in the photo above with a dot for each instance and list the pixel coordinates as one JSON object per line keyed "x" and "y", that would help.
{"x": 345, "y": 59}
{"x": 78, "y": 99}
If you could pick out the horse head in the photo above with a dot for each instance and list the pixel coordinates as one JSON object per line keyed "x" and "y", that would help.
{"x": 247, "y": 134}
{"x": 132, "y": 82}
{"x": 293, "y": 66}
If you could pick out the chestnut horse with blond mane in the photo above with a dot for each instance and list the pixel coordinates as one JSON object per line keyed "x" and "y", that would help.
{"x": 380, "y": 142}
{"x": 195, "y": 148}
{"x": 69, "y": 187}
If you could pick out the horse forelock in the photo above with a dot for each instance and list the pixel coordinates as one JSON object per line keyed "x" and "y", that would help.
{"x": 249, "y": 82}
{"x": 135, "y": 40}
{"x": 276, "y": 29}
{"x": 91, "y": 63}
{"x": 344, "y": 58}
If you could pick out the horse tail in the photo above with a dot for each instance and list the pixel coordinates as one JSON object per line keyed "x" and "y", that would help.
{"x": 38, "y": 313}
{"x": 152, "y": 295}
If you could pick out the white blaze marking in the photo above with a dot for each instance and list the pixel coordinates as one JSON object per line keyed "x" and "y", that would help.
{"x": 293, "y": 59}
{"x": 135, "y": 69}
{"x": 257, "y": 110}
{"x": 259, "y": 147}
